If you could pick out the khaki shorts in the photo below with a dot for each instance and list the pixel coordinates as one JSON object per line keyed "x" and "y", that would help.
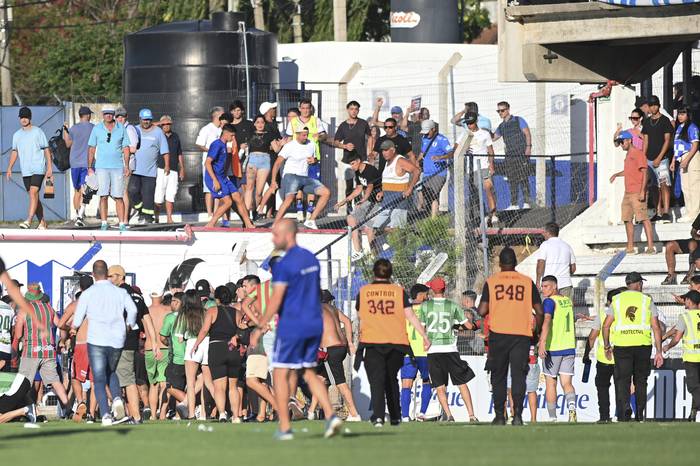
{"x": 256, "y": 367}
{"x": 633, "y": 208}
{"x": 48, "y": 370}
{"x": 125, "y": 369}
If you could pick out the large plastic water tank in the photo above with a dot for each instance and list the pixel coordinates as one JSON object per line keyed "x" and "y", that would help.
{"x": 183, "y": 69}
{"x": 425, "y": 21}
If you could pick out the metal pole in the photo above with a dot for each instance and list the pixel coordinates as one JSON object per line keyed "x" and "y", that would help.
{"x": 668, "y": 88}
{"x": 553, "y": 185}
{"x": 340, "y": 21}
{"x": 242, "y": 29}
{"x": 329, "y": 268}
{"x": 687, "y": 73}
{"x": 484, "y": 238}
{"x": 348, "y": 284}
{"x": 5, "y": 75}
{"x": 452, "y": 96}
{"x": 460, "y": 206}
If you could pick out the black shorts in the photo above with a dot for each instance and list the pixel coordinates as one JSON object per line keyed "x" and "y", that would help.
{"x": 175, "y": 376}
{"x": 442, "y": 365}
{"x": 224, "y": 362}
{"x": 140, "y": 368}
{"x": 432, "y": 185}
{"x": 7, "y": 357}
{"x": 332, "y": 368}
{"x": 33, "y": 181}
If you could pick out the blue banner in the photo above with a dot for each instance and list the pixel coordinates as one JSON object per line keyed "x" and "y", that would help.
{"x": 649, "y": 2}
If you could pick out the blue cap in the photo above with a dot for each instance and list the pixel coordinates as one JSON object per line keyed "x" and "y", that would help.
{"x": 396, "y": 109}
{"x": 145, "y": 114}
{"x": 625, "y": 135}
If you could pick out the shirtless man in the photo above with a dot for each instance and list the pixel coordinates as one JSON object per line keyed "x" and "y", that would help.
{"x": 157, "y": 353}
{"x": 336, "y": 342}
{"x": 81, "y": 364}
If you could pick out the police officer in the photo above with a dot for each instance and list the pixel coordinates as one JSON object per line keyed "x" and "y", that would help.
{"x": 630, "y": 320}
{"x": 508, "y": 298}
{"x": 383, "y": 309}
{"x": 688, "y": 329}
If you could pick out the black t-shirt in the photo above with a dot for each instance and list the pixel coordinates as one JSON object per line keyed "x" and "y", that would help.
{"x": 260, "y": 142}
{"x": 355, "y": 134}
{"x": 414, "y": 136}
{"x": 244, "y": 129}
{"x": 369, "y": 175}
{"x": 535, "y": 294}
{"x": 656, "y": 129}
{"x": 133, "y": 336}
{"x": 403, "y": 147}
{"x": 273, "y": 130}
{"x": 174, "y": 152}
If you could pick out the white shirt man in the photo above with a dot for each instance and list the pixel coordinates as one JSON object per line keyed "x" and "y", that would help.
{"x": 556, "y": 257}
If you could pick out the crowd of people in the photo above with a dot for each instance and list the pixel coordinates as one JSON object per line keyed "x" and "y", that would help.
{"x": 246, "y": 162}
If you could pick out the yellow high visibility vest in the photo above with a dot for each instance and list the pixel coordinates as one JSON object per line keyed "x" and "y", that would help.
{"x": 691, "y": 336}
{"x": 313, "y": 125}
{"x": 632, "y": 313}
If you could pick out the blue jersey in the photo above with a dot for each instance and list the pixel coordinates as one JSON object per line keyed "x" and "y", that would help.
{"x": 681, "y": 147}
{"x": 219, "y": 158}
{"x": 300, "y": 313}
{"x": 440, "y": 146}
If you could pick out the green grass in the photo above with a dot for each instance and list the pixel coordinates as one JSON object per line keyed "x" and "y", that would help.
{"x": 432, "y": 444}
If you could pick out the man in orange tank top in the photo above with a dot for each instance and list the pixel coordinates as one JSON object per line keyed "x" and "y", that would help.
{"x": 383, "y": 309}
{"x": 508, "y": 298}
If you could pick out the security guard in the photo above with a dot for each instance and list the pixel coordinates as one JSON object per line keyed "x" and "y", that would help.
{"x": 688, "y": 329}
{"x": 383, "y": 309}
{"x": 630, "y": 320}
{"x": 508, "y": 298}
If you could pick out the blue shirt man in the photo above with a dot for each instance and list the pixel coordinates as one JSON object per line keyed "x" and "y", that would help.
{"x": 109, "y": 145}
{"x": 30, "y": 145}
{"x": 153, "y": 144}
{"x": 436, "y": 150}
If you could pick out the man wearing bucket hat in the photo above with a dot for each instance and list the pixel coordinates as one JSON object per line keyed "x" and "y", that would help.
{"x": 142, "y": 185}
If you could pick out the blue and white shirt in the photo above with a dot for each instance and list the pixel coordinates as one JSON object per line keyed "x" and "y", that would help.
{"x": 440, "y": 146}
{"x": 681, "y": 147}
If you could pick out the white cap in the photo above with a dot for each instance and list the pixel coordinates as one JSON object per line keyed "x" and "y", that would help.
{"x": 266, "y": 106}
{"x": 426, "y": 126}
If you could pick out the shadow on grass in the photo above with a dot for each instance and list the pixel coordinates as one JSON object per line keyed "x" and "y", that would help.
{"x": 32, "y": 434}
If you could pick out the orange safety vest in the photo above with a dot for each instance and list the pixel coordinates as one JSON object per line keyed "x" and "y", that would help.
{"x": 510, "y": 303}
{"x": 381, "y": 312}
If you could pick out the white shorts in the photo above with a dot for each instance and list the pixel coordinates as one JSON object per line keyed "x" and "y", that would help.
{"x": 202, "y": 354}
{"x": 204, "y": 171}
{"x": 166, "y": 186}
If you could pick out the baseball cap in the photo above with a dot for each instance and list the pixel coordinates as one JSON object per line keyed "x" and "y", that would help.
{"x": 301, "y": 129}
{"x": 25, "y": 112}
{"x": 267, "y": 106}
{"x": 110, "y": 109}
{"x": 692, "y": 295}
{"x": 654, "y": 100}
{"x": 84, "y": 111}
{"x": 386, "y": 145}
{"x": 633, "y": 277}
{"x": 470, "y": 118}
{"x": 396, "y": 109}
{"x": 116, "y": 270}
{"x": 426, "y": 126}
{"x": 166, "y": 119}
{"x": 624, "y": 135}
{"x": 203, "y": 287}
{"x": 327, "y": 297}
{"x": 145, "y": 114}
{"x": 437, "y": 284}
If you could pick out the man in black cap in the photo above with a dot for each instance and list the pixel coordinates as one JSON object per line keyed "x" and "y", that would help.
{"x": 657, "y": 131}
{"x": 76, "y": 139}
{"x": 29, "y": 143}
{"x": 630, "y": 320}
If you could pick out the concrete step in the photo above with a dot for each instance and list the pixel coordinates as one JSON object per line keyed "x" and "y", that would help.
{"x": 607, "y": 236}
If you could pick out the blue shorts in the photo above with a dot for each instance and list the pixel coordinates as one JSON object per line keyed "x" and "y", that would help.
{"x": 292, "y": 352}
{"x": 410, "y": 369}
{"x": 77, "y": 176}
{"x": 228, "y": 187}
{"x": 292, "y": 183}
{"x": 110, "y": 182}
{"x": 315, "y": 171}
{"x": 260, "y": 161}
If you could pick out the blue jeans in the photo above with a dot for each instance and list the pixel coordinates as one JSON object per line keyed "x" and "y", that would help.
{"x": 103, "y": 363}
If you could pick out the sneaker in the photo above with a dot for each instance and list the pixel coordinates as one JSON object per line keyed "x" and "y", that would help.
{"x": 118, "y": 410}
{"x": 378, "y": 423}
{"x": 403, "y": 419}
{"x": 357, "y": 255}
{"x": 311, "y": 224}
{"x": 604, "y": 421}
{"x": 395, "y": 422}
{"x": 494, "y": 219}
{"x": 420, "y": 417}
{"x": 333, "y": 426}
{"x": 182, "y": 410}
{"x": 512, "y": 207}
{"x": 135, "y": 422}
{"x": 572, "y": 415}
{"x": 80, "y": 411}
{"x": 225, "y": 223}
{"x": 89, "y": 419}
{"x": 650, "y": 251}
{"x": 666, "y": 218}
{"x": 685, "y": 219}
{"x": 107, "y": 420}
{"x": 104, "y": 226}
{"x": 300, "y": 212}
{"x": 236, "y": 420}
{"x": 669, "y": 280}
{"x": 311, "y": 416}
{"x": 686, "y": 279}
{"x": 517, "y": 420}
{"x": 553, "y": 419}
{"x": 123, "y": 227}
{"x": 124, "y": 420}
{"x": 279, "y": 435}
{"x": 31, "y": 413}
{"x": 445, "y": 418}
{"x": 296, "y": 411}
{"x": 473, "y": 419}
{"x": 693, "y": 415}
{"x": 499, "y": 421}
{"x": 310, "y": 208}
{"x": 79, "y": 222}
{"x": 526, "y": 206}
{"x": 146, "y": 414}
{"x": 655, "y": 218}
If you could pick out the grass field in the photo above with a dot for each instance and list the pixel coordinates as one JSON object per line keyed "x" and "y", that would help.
{"x": 429, "y": 444}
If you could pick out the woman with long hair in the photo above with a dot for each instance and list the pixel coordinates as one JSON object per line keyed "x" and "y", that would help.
{"x": 191, "y": 319}
{"x": 258, "y": 164}
{"x": 686, "y": 163}
{"x": 636, "y": 118}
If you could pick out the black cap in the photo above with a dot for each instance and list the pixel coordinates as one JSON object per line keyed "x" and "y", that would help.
{"x": 203, "y": 288}
{"x": 84, "y": 111}
{"x": 470, "y": 118}
{"x": 327, "y": 297}
{"x": 633, "y": 277}
{"x": 692, "y": 295}
{"x": 654, "y": 100}
{"x": 85, "y": 282}
{"x": 25, "y": 112}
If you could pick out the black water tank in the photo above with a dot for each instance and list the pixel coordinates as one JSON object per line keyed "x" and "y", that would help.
{"x": 425, "y": 21}
{"x": 184, "y": 69}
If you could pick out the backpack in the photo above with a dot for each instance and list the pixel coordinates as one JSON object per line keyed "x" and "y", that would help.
{"x": 60, "y": 153}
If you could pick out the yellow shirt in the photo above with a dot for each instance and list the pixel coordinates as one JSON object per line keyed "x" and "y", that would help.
{"x": 414, "y": 337}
